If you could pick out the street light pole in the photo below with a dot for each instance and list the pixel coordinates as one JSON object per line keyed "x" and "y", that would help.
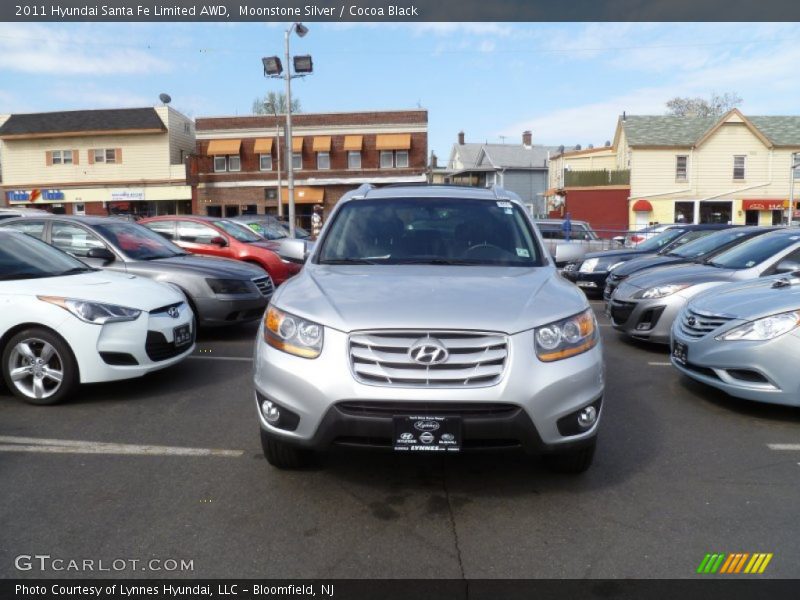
{"x": 289, "y": 144}
{"x": 272, "y": 107}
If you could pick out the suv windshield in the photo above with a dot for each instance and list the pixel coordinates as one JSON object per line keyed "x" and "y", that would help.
{"x": 239, "y": 232}
{"x": 430, "y": 231}
{"x": 657, "y": 242}
{"x": 24, "y": 257}
{"x": 700, "y": 247}
{"x": 137, "y": 241}
{"x": 755, "y": 251}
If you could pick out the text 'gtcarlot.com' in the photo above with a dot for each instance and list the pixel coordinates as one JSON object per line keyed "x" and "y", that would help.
{"x": 46, "y": 562}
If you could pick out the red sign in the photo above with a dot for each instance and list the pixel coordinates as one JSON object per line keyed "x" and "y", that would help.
{"x": 763, "y": 204}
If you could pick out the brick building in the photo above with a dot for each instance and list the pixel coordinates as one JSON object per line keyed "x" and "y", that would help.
{"x": 236, "y": 167}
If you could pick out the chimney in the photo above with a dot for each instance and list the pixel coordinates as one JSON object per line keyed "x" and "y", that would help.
{"x": 527, "y": 139}
{"x": 434, "y": 160}
{"x": 460, "y": 138}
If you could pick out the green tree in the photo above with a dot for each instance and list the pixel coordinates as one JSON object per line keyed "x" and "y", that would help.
{"x": 274, "y": 102}
{"x": 715, "y": 106}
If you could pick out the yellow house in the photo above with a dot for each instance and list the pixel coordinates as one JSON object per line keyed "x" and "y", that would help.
{"x": 732, "y": 169}
{"x": 98, "y": 161}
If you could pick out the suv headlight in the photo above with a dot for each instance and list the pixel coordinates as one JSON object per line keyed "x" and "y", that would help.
{"x": 292, "y": 334}
{"x": 767, "y": 328}
{"x": 566, "y": 338}
{"x": 93, "y": 312}
{"x": 589, "y": 265}
{"x": 230, "y": 286}
{"x": 661, "y": 291}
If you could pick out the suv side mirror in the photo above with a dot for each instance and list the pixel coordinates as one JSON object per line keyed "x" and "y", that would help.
{"x": 218, "y": 241}
{"x": 101, "y": 253}
{"x": 293, "y": 250}
{"x": 787, "y": 266}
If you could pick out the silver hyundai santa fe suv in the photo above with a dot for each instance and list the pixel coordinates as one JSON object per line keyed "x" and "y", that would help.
{"x": 429, "y": 319}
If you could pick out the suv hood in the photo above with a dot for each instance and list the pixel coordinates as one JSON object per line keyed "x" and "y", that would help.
{"x": 101, "y": 286}
{"x": 506, "y": 299}
{"x": 224, "y": 268}
{"x": 752, "y": 299}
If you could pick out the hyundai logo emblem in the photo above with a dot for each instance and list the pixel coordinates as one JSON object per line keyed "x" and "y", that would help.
{"x": 428, "y": 351}
{"x": 691, "y": 321}
{"x": 173, "y": 312}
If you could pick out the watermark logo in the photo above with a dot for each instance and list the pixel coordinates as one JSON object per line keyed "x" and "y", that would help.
{"x": 734, "y": 563}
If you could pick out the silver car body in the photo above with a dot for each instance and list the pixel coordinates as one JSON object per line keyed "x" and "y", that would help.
{"x": 479, "y": 304}
{"x": 651, "y": 319}
{"x": 582, "y": 240}
{"x": 760, "y": 370}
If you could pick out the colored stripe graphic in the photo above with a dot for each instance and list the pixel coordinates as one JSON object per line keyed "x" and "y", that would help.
{"x": 736, "y": 562}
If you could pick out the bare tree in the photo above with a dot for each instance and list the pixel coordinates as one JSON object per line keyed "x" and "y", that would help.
{"x": 716, "y": 105}
{"x": 274, "y": 102}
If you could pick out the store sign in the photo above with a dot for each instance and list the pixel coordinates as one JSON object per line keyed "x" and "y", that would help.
{"x": 52, "y": 195}
{"x": 127, "y": 195}
{"x": 764, "y": 204}
{"x": 18, "y": 196}
{"x": 28, "y": 196}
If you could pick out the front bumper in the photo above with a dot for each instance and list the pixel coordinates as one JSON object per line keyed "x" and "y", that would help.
{"x": 649, "y": 320}
{"x": 589, "y": 282}
{"x": 227, "y": 310}
{"x": 759, "y": 371}
{"x": 321, "y": 393}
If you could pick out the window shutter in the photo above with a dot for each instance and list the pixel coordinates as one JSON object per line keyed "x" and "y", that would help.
{"x": 49, "y": 158}
{"x": 90, "y": 156}
{"x": 118, "y": 154}
{"x": 75, "y": 157}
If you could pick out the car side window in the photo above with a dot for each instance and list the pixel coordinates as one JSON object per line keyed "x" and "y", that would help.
{"x": 792, "y": 256}
{"x": 165, "y": 229}
{"x": 31, "y": 227}
{"x": 196, "y": 233}
{"x": 73, "y": 239}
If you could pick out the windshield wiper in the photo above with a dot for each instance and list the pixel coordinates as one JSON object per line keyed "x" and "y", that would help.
{"x": 11, "y": 276}
{"x": 347, "y": 261}
{"x": 437, "y": 261}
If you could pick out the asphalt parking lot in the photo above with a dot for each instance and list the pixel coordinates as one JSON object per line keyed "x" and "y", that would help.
{"x": 681, "y": 471}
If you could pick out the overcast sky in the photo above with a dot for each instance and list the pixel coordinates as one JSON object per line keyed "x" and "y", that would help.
{"x": 567, "y": 82}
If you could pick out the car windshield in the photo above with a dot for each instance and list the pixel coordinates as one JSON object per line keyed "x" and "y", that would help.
{"x": 687, "y": 237}
{"x": 700, "y": 247}
{"x": 136, "y": 241}
{"x": 657, "y": 242}
{"x": 754, "y": 252}
{"x": 267, "y": 229}
{"x": 237, "y": 231}
{"x": 430, "y": 231}
{"x": 24, "y": 257}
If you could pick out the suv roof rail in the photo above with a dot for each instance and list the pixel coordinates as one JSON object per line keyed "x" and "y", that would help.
{"x": 501, "y": 193}
{"x": 360, "y": 192}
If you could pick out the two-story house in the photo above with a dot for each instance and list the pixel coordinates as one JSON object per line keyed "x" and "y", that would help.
{"x": 98, "y": 162}
{"x": 240, "y": 162}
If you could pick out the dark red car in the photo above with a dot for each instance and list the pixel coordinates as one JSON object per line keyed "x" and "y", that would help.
{"x": 214, "y": 236}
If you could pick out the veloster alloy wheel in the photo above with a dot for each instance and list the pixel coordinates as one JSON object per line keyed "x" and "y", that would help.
{"x": 38, "y": 367}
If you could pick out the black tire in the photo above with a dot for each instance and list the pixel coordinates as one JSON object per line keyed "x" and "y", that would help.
{"x": 574, "y": 462}
{"x": 61, "y": 359}
{"x": 282, "y": 455}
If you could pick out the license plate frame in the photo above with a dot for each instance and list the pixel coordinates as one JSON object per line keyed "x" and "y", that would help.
{"x": 680, "y": 353}
{"x": 182, "y": 335}
{"x": 427, "y": 433}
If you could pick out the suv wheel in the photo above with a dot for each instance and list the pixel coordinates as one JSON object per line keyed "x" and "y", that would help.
{"x": 282, "y": 455}
{"x": 573, "y": 462}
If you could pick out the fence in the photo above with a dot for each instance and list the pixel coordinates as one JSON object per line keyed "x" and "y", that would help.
{"x": 600, "y": 177}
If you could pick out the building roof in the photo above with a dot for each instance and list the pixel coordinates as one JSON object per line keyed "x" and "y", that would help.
{"x": 467, "y": 152}
{"x": 517, "y": 156}
{"x": 670, "y": 130}
{"x": 59, "y": 124}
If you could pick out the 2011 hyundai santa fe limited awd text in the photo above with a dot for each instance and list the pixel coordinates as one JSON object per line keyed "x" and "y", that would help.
{"x": 429, "y": 319}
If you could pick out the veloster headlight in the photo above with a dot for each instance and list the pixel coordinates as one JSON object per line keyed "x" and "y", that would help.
{"x": 588, "y": 266}
{"x": 292, "y": 334}
{"x": 231, "y": 286}
{"x": 566, "y": 338}
{"x": 661, "y": 291}
{"x": 767, "y": 328}
{"x": 93, "y": 312}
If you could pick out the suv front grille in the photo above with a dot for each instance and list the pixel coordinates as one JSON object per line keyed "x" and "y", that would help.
{"x": 476, "y": 359}
{"x": 695, "y": 324}
{"x": 264, "y": 285}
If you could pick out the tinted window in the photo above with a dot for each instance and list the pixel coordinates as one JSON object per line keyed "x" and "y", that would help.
{"x": 687, "y": 237}
{"x": 709, "y": 243}
{"x": 138, "y": 242}
{"x": 754, "y": 252}
{"x": 196, "y": 233}
{"x": 32, "y": 227}
{"x": 430, "y": 231}
{"x": 74, "y": 239}
{"x": 657, "y": 242}
{"x": 26, "y": 258}
{"x": 165, "y": 229}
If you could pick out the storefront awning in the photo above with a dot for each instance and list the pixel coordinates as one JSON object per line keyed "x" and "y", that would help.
{"x": 297, "y": 144}
{"x": 263, "y": 146}
{"x": 322, "y": 144}
{"x": 395, "y": 141}
{"x": 764, "y": 204}
{"x": 353, "y": 143}
{"x": 223, "y": 147}
{"x": 304, "y": 195}
{"x": 642, "y": 206}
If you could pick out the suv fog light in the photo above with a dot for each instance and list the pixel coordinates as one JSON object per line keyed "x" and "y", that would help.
{"x": 270, "y": 412}
{"x": 587, "y": 417}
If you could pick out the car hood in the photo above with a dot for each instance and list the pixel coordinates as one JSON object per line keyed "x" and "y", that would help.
{"x": 206, "y": 266}
{"x": 615, "y": 254}
{"x": 100, "y": 286}
{"x": 752, "y": 299}
{"x": 646, "y": 262}
{"x": 687, "y": 273}
{"x": 507, "y": 299}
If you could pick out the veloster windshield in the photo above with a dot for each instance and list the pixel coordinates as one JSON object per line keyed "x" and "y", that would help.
{"x": 24, "y": 257}
{"x": 754, "y": 252}
{"x": 137, "y": 241}
{"x": 439, "y": 231}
